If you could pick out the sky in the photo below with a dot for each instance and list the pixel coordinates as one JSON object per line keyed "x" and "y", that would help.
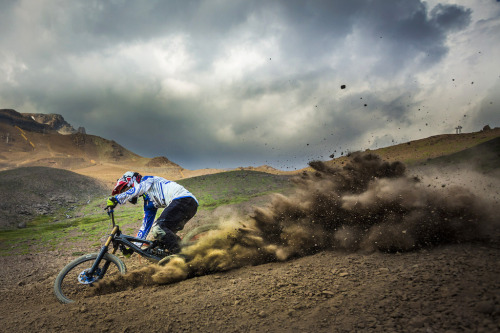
{"x": 230, "y": 83}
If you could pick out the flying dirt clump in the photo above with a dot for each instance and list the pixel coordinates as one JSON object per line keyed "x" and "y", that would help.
{"x": 368, "y": 205}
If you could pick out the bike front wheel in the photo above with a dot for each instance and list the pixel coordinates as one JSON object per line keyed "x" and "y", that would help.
{"x": 73, "y": 282}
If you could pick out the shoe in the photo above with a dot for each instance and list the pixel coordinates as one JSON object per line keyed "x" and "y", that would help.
{"x": 127, "y": 252}
{"x": 169, "y": 248}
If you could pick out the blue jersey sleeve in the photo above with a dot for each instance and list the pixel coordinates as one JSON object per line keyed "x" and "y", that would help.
{"x": 148, "y": 219}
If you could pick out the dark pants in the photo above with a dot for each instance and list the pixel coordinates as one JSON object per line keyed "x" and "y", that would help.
{"x": 172, "y": 219}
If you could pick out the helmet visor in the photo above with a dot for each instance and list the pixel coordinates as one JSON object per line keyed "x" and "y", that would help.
{"x": 120, "y": 187}
{"x": 124, "y": 183}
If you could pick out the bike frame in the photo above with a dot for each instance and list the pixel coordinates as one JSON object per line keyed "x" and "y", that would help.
{"x": 119, "y": 240}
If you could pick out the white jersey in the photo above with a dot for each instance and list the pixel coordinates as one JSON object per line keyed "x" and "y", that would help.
{"x": 160, "y": 191}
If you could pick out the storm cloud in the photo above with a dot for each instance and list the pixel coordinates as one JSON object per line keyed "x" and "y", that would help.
{"x": 237, "y": 83}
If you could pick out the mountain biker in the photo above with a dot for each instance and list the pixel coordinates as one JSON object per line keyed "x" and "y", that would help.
{"x": 180, "y": 206}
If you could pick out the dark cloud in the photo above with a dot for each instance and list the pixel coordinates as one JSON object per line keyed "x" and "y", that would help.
{"x": 226, "y": 83}
{"x": 405, "y": 31}
{"x": 451, "y": 17}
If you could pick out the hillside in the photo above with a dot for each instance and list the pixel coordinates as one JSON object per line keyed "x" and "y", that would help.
{"x": 474, "y": 145}
{"x": 48, "y": 140}
{"x": 485, "y": 157}
{"x": 44, "y": 194}
{"x": 26, "y": 142}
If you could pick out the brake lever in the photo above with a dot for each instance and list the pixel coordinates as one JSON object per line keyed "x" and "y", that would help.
{"x": 109, "y": 209}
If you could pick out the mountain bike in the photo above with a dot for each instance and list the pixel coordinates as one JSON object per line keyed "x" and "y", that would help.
{"x": 73, "y": 281}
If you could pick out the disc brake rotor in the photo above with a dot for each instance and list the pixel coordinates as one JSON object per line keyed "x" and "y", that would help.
{"x": 83, "y": 278}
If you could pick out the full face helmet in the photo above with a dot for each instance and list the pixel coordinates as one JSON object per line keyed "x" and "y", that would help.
{"x": 126, "y": 181}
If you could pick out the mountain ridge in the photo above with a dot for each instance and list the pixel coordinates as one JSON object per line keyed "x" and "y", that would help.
{"x": 55, "y": 121}
{"x": 26, "y": 142}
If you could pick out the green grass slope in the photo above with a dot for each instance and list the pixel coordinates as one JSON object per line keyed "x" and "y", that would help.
{"x": 233, "y": 186}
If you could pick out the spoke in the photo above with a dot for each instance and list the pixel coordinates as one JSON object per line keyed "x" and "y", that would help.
{"x": 76, "y": 285}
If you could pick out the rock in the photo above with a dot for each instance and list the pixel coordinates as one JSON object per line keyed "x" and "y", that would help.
{"x": 486, "y": 307}
{"x": 54, "y": 121}
{"x": 417, "y": 322}
{"x": 23, "y": 212}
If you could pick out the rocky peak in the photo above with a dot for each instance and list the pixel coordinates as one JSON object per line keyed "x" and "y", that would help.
{"x": 54, "y": 121}
{"x": 13, "y": 118}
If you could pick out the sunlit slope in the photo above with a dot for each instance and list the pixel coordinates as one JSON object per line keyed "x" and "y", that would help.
{"x": 439, "y": 146}
{"x": 24, "y": 142}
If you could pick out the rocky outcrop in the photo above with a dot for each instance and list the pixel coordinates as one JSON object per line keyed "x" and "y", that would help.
{"x": 14, "y": 118}
{"x": 54, "y": 121}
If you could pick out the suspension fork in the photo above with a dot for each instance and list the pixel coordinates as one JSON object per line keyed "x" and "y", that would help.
{"x": 101, "y": 254}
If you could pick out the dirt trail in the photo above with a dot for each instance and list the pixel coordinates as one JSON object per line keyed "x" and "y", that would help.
{"x": 452, "y": 288}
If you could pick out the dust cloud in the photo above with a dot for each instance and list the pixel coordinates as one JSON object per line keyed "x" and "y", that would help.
{"x": 368, "y": 205}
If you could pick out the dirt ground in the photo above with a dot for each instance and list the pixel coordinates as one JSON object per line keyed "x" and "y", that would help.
{"x": 453, "y": 288}
{"x": 445, "y": 288}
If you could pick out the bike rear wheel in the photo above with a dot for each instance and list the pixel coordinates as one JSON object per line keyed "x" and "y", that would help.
{"x": 194, "y": 235}
{"x": 72, "y": 283}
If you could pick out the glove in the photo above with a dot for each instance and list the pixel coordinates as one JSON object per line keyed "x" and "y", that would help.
{"x": 111, "y": 203}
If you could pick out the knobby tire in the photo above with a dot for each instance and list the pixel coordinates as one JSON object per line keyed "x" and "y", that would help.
{"x": 67, "y": 288}
{"x": 192, "y": 236}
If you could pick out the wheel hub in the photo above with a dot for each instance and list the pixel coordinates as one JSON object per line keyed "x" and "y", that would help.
{"x": 84, "y": 278}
